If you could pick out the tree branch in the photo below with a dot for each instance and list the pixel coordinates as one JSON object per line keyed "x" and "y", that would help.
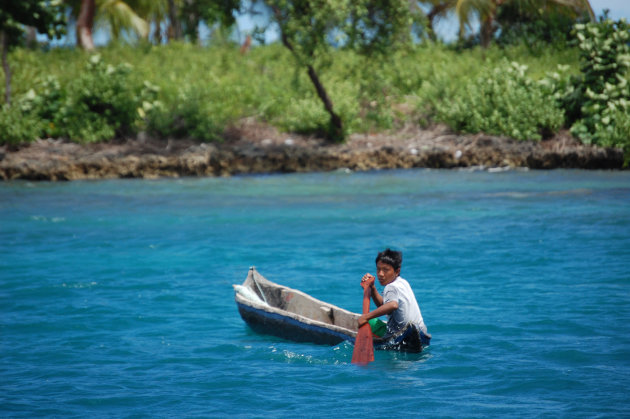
{"x": 5, "y": 66}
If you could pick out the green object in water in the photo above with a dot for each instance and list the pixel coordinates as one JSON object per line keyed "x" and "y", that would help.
{"x": 378, "y": 326}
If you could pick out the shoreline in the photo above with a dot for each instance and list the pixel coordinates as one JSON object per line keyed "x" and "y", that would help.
{"x": 252, "y": 148}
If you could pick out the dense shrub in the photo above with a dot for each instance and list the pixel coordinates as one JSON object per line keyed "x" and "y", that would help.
{"x": 596, "y": 101}
{"x": 101, "y": 104}
{"x": 194, "y": 113}
{"x": 34, "y": 113}
{"x": 17, "y": 127}
{"x": 506, "y": 102}
{"x": 603, "y": 88}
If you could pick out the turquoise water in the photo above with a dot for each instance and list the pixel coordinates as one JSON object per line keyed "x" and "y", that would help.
{"x": 116, "y": 297}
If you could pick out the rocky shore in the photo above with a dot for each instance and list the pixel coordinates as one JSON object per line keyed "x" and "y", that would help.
{"x": 250, "y": 149}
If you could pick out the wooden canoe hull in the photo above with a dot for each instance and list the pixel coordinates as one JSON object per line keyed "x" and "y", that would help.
{"x": 288, "y": 328}
{"x": 273, "y": 309}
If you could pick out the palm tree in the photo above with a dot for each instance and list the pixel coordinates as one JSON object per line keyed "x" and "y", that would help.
{"x": 85, "y": 24}
{"x": 137, "y": 16}
{"x": 126, "y": 15}
{"x": 175, "y": 26}
{"x": 439, "y": 10}
{"x": 487, "y": 11}
{"x": 120, "y": 15}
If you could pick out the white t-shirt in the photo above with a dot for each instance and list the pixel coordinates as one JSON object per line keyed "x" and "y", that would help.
{"x": 408, "y": 311}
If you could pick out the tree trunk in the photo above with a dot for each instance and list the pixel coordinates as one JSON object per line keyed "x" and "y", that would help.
{"x": 486, "y": 31}
{"x": 336, "y": 124}
{"x": 175, "y": 26}
{"x": 192, "y": 22}
{"x": 5, "y": 66}
{"x": 85, "y": 23}
{"x": 246, "y": 45}
{"x": 157, "y": 33}
{"x": 31, "y": 37}
{"x": 431, "y": 29}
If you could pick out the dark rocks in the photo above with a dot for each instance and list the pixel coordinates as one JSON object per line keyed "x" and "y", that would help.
{"x": 146, "y": 158}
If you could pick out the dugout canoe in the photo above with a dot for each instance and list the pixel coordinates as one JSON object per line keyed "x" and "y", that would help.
{"x": 274, "y": 309}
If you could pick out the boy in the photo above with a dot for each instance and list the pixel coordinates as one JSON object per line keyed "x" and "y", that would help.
{"x": 398, "y": 301}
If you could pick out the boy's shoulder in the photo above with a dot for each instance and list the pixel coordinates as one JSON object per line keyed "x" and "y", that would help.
{"x": 399, "y": 283}
{"x": 396, "y": 283}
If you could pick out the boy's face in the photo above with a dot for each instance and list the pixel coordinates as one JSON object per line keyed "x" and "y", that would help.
{"x": 386, "y": 273}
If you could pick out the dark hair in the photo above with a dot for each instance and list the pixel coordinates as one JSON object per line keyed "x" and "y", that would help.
{"x": 391, "y": 257}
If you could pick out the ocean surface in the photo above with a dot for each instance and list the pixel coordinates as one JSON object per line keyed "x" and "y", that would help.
{"x": 116, "y": 296}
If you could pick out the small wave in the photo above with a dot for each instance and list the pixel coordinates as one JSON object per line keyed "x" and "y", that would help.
{"x": 80, "y": 285}
{"x": 48, "y": 219}
{"x": 291, "y": 356}
{"x": 530, "y": 194}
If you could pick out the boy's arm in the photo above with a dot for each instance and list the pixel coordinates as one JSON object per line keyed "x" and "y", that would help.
{"x": 378, "y": 312}
{"x": 378, "y": 299}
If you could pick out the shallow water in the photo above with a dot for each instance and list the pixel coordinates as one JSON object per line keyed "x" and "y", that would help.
{"x": 116, "y": 297}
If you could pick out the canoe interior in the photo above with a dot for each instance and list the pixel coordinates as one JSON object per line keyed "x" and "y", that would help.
{"x": 302, "y": 306}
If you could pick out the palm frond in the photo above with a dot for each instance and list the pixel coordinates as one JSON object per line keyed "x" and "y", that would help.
{"x": 121, "y": 16}
{"x": 578, "y": 6}
{"x": 466, "y": 9}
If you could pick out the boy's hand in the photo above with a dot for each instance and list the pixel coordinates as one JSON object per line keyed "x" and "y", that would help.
{"x": 362, "y": 320}
{"x": 369, "y": 278}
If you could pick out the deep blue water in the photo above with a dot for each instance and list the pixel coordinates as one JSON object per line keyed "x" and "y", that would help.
{"x": 116, "y": 297}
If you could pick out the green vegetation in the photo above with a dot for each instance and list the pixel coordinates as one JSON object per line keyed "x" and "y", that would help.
{"x": 602, "y": 90}
{"x": 370, "y": 28}
{"x": 528, "y": 20}
{"x": 181, "y": 90}
{"x": 102, "y": 103}
{"x": 45, "y": 17}
{"x": 506, "y": 103}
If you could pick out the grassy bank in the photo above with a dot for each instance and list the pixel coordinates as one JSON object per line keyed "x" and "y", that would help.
{"x": 219, "y": 85}
{"x": 186, "y": 91}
